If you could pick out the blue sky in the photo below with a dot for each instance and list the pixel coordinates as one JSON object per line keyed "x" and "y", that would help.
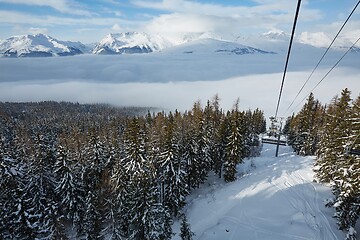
{"x": 90, "y": 20}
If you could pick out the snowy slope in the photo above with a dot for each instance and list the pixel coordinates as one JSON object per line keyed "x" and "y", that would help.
{"x": 275, "y": 200}
{"x": 39, "y": 45}
{"x": 130, "y": 42}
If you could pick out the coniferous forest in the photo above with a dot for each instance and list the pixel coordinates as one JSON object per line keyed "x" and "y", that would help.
{"x": 332, "y": 133}
{"x": 88, "y": 171}
{"x": 93, "y": 171}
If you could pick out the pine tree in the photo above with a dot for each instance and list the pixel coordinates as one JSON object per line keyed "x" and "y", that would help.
{"x": 335, "y": 137}
{"x": 118, "y": 212}
{"x": 346, "y": 182}
{"x": 325, "y": 164}
{"x": 12, "y": 216}
{"x": 213, "y": 135}
{"x": 91, "y": 227}
{"x": 173, "y": 169}
{"x": 185, "y": 231}
{"x": 158, "y": 223}
{"x": 39, "y": 197}
{"x": 235, "y": 149}
{"x": 224, "y": 132}
{"x": 14, "y": 211}
{"x": 142, "y": 191}
{"x": 69, "y": 188}
{"x": 198, "y": 155}
{"x": 96, "y": 158}
{"x": 256, "y": 125}
{"x": 113, "y": 195}
{"x": 304, "y": 127}
{"x": 337, "y": 167}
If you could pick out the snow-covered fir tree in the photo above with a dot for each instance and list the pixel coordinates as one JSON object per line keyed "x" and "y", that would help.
{"x": 304, "y": 132}
{"x": 185, "y": 230}
{"x": 142, "y": 190}
{"x": 39, "y": 196}
{"x": 198, "y": 154}
{"x": 235, "y": 148}
{"x": 173, "y": 168}
{"x": 69, "y": 187}
{"x": 338, "y": 130}
{"x": 12, "y": 210}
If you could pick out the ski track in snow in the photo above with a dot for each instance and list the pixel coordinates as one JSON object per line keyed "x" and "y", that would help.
{"x": 276, "y": 200}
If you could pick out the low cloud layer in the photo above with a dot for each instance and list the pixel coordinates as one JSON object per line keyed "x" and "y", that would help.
{"x": 149, "y": 80}
{"x": 255, "y": 91}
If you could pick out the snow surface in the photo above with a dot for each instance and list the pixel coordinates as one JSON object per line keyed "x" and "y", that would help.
{"x": 277, "y": 199}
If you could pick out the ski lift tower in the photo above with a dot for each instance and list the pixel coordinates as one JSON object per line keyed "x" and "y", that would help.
{"x": 275, "y": 131}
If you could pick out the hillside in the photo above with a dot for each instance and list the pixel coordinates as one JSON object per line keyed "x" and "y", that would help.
{"x": 276, "y": 199}
{"x": 211, "y": 46}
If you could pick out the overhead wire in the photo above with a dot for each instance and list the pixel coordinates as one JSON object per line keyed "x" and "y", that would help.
{"x": 322, "y": 79}
{"x": 322, "y": 57}
{"x": 288, "y": 57}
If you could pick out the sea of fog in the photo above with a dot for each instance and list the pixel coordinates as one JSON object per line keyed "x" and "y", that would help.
{"x": 172, "y": 80}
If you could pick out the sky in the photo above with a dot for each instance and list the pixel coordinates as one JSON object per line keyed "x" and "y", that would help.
{"x": 89, "y": 21}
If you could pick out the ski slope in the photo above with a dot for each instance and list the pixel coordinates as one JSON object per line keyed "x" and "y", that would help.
{"x": 275, "y": 199}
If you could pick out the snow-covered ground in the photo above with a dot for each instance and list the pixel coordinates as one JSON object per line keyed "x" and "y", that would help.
{"x": 275, "y": 200}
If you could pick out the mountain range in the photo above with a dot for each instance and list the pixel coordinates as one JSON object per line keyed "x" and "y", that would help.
{"x": 41, "y": 45}
{"x": 130, "y": 42}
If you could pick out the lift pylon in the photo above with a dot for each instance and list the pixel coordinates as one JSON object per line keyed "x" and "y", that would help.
{"x": 274, "y": 134}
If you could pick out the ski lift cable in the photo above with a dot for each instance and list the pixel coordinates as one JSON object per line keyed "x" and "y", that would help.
{"x": 350, "y": 148}
{"x": 288, "y": 56}
{"x": 322, "y": 57}
{"x": 322, "y": 79}
{"x": 356, "y": 138}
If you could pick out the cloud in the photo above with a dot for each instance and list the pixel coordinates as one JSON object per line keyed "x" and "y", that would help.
{"x": 149, "y": 80}
{"x": 350, "y": 31}
{"x": 15, "y": 17}
{"x": 35, "y": 30}
{"x": 181, "y": 95}
{"x": 65, "y": 27}
{"x": 191, "y": 16}
{"x": 30, "y": 30}
{"x": 63, "y": 6}
{"x": 167, "y": 24}
{"x": 184, "y": 6}
{"x": 116, "y": 27}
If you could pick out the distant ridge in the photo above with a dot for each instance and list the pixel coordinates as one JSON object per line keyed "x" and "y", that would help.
{"x": 209, "y": 45}
{"x": 130, "y": 43}
{"x": 276, "y": 41}
{"x": 39, "y": 45}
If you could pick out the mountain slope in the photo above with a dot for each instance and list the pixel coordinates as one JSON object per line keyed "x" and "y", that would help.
{"x": 206, "y": 46}
{"x": 39, "y": 45}
{"x": 275, "y": 200}
{"x": 130, "y": 42}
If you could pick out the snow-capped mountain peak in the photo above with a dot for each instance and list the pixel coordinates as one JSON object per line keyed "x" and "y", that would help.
{"x": 130, "y": 42}
{"x": 276, "y": 35}
{"x": 38, "y": 45}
